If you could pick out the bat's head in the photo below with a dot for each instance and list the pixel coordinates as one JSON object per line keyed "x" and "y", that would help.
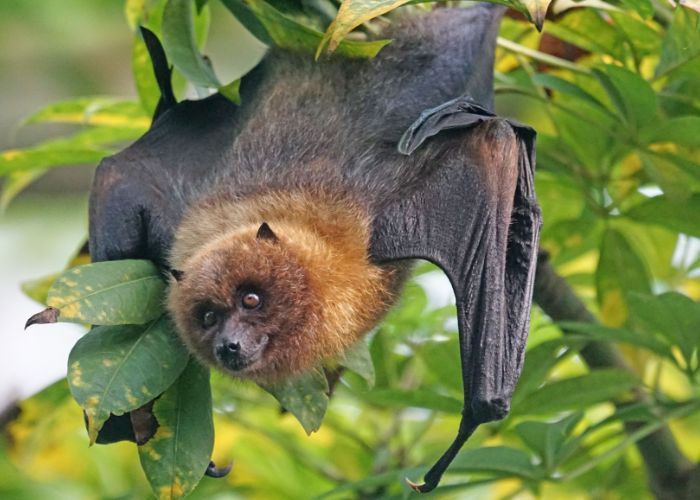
{"x": 244, "y": 304}
{"x": 265, "y": 302}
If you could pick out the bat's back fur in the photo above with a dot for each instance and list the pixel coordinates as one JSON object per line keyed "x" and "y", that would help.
{"x": 337, "y": 122}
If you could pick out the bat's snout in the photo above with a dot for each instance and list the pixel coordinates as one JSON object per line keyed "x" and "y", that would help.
{"x": 238, "y": 350}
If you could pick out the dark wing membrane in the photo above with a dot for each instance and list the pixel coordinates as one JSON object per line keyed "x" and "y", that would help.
{"x": 138, "y": 195}
{"x": 475, "y": 216}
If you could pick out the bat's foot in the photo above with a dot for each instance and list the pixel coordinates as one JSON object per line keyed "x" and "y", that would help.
{"x": 214, "y": 471}
{"x": 420, "y": 488}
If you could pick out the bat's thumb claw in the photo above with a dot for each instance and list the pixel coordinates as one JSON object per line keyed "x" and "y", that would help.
{"x": 418, "y": 488}
{"x": 48, "y": 315}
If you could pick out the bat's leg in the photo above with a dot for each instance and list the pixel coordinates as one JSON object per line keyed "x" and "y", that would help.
{"x": 467, "y": 426}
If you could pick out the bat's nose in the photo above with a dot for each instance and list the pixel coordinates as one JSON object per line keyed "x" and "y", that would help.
{"x": 236, "y": 350}
{"x": 230, "y": 355}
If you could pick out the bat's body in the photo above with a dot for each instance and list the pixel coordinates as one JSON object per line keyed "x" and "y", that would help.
{"x": 333, "y": 123}
{"x": 288, "y": 220}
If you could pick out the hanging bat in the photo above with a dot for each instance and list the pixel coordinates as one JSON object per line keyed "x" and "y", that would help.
{"x": 288, "y": 223}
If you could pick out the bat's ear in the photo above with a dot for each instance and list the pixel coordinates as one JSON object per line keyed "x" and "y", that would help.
{"x": 178, "y": 275}
{"x": 265, "y": 233}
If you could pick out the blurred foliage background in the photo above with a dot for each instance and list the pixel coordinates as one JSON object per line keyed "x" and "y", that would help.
{"x": 611, "y": 89}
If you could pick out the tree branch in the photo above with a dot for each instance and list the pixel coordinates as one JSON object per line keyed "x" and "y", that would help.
{"x": 671, "y": 474}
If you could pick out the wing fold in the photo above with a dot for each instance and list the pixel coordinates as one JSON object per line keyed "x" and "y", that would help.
{"x": 475, "y": 216}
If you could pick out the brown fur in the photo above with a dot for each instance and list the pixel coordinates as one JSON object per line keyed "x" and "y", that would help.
{"x": 324, "y": 292}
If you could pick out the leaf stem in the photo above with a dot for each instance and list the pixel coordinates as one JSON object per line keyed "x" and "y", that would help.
{"x": 541, "y": 56}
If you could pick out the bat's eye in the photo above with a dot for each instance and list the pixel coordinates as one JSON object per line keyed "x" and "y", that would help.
{"x": 209, "y": 319}
{"x": 251, "y": 300}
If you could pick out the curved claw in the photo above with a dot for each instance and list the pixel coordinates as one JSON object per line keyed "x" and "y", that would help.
{"x": 48, "y": 315}
{"x": 214, "y": 471}
{"x": 414, "y": 486}
{"x": 419, "y": 488}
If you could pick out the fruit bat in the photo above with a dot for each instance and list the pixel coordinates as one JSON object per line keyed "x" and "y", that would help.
{"x": 288, "y": 222}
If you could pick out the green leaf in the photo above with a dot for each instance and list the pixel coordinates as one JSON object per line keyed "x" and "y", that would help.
{"x": 442, "y": 360}
{"x": 418, "y": 398}
{"x": 666, "y": 212}
{"x": 675, "y": 316}
{"x": 568, "y": 88}
{"x": 249, "y": 20}
{"x": 144, "y": 13}
{"x": 115, "y": 369}
{"x": 683, "y": 130}
{"x": 86, "y": 146}
{"x": 671, "y": 174}
{"x": 539, "y": 360}
{"x": 500, "y": 460}
{"x": 289, "y": 34}
{"x": 680, "y": 50}
{"x": 643, "y": 7}
{"x": 48, "y": 155}
{"x": 372, "y": 482}
{"x": 620, "y": 270}
{"x": 177, "y": 456}
{"x": 359, "y": 360}
{"x": 644, "y": 38}
{"x": 600, "y": 333}
{"x": 180, "y": 44}
{"x": 587, "y": 29}
{"x": 38, "y": 289}
{"x": 632, "y": 412}
{"x": 15, "y": 183}
{"x": 576, "y": 393}
{"x": 305, "y": 397}
{"x": 96, "y": 111}
{"x": 149, "y": 15}
{"x": 231, "y": 91}
{"x": 587, "y": 137}
{"x": 631, "y": 95}
{"x": 547, "y": 438}
{"x": 109, "y": 293}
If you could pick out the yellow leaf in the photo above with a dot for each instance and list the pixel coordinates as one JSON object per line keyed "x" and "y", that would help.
{"x": 536, "y": 10}
{"x": 351, "y": 14}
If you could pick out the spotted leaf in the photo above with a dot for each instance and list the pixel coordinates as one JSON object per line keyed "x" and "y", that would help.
{"x": 177, "y": 456}
{"x": 109, "y": 293}
{"x": 115, "y": 369}
{"x": 305, "y": 397}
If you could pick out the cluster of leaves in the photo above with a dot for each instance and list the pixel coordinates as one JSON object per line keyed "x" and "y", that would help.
{"x": 618, "y": 180}
{"x": 132, "y": 356}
